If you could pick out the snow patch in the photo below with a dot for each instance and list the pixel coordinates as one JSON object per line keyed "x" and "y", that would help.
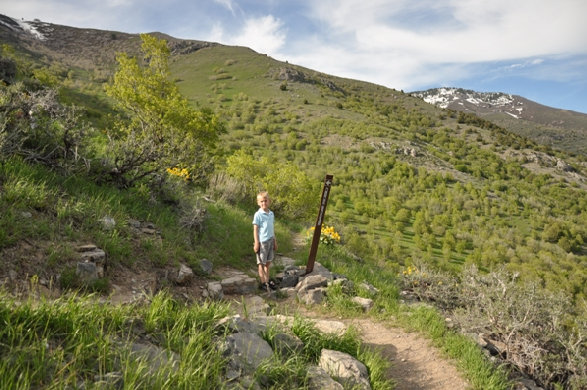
{"x": 514, "y": 115}
{"x": 28, "y": 26}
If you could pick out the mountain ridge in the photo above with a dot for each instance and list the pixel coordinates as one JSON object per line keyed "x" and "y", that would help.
{"x": 559, "y": 128}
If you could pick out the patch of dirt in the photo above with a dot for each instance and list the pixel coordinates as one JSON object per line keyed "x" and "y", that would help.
{"x": 415, "y": 364}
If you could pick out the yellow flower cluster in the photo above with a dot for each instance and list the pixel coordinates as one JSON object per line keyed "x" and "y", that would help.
{"x": 410, "y": 270}
{"x": 181, "y": 173}
{"x": 328, "y": 235}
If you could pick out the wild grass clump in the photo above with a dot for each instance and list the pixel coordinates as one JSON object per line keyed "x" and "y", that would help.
{"x": 77, "y": 342}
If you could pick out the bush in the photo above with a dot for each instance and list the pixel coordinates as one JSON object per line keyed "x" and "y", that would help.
{"x": 291, "y": 190}
{"x": 534, "y": 330}
{"x": 36, "y": 127}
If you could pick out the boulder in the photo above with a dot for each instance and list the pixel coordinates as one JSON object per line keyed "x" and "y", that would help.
{"x": 311, "y": 282}
{"x": 239, "y": 284}
{"x": 287, "y": 344}
{"x": 318, "y": 379}
{"x": 345, "y": 369}
{"x": 246, "y": 351}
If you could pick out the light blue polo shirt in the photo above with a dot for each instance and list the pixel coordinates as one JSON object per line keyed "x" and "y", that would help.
{"x": 265, "y": 223}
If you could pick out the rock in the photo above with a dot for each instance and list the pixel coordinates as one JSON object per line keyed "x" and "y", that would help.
{"x": 157, "y": 358}
{"x": 365, "y": 303}
{"x": 348, "y": 287}
{"x": 206, "y": 266}
{"x": 319, "y": 269}
{"x": 246, "y": 351}
{"x": 287, "y": 279}
{"x": 184, "y": 275}
{"x": 345, "y": 369}
{"x": 214, "y": 291}
{"x": 86, "y": 271}
{"x": 239, "y": 284}
{"x": 238, "y": 324}
{"x": 311, "y": 282}
{"x": 369, "y": 288}
{"x": 255, "y": 306}
{"x": 318, "y": 379}
{"x": 286, "y": 344}
{"x": 330, "y": 326}
{"x": 108, "y": 223}
{"x": 311, "y": 297}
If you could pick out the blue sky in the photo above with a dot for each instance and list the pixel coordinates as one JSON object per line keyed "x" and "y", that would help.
{"x": 533, "y": 48}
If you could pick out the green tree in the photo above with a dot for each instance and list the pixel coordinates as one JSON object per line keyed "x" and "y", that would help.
{"x": 159, "y": 128}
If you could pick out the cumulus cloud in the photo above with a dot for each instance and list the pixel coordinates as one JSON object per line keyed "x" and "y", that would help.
{"x": 264, "y": 34}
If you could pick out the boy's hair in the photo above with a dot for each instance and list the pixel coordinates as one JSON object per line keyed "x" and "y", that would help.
{"x": 262, "y": 194}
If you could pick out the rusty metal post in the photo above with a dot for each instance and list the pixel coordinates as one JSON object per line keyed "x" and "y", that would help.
{"x": 318, "y": 227}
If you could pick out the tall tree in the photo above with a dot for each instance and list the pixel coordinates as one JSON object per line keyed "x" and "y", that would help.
{"x": 159, "y": 129}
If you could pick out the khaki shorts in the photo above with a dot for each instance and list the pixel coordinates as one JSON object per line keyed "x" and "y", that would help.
{"x": 266, "y": 252}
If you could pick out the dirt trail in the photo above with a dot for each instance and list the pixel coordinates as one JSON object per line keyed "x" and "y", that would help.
{"x": 415, "y": 363}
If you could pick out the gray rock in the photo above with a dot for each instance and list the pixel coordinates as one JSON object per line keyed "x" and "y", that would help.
{"x": 319, "y": 269}
{"x": 348, "y": 287}
{"x": 215, "y": 291}
{"x": 318, "y": 379}
{"x": 369, "y": 288}
{"x": 312, "y": 282}
{"x": 184, "y": 275}
{"x": 239, "y": 284}
{"x": 365, "y": 303}
{"x": 206, "y": 266}
{"x": 286, "y": 344}
{"x": 287, "y": 280}
{"x": 238, "y": 324}
{"x": 108, "y": 223}
{"x": 157, "y": 358}
{"x": 247, "y": 351}
{"x": 312, "y": 297}
{"x": 86, "y": 271}
{"x": 345, "y": 369}
{"x": 255, "y": 306}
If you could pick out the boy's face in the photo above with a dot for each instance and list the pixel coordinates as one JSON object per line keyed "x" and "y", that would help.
{"x": 263, "y": 202}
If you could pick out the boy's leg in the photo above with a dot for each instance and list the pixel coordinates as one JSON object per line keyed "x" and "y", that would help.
{"x": 262, "y": 274}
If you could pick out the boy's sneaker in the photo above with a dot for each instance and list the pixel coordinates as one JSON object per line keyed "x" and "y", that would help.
{"x": 263, "y": 286}
{"x": 272, "y": 285}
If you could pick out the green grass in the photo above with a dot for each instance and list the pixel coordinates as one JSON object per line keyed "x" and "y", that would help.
{"x": 74, "y": 340}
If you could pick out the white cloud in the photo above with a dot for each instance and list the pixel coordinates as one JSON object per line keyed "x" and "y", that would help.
{"x": 264, "y": 35}
{"x": 228, "y": 4}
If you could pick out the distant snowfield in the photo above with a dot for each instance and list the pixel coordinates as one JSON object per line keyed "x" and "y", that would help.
{"x": 443, "y": 97}
{"x": 25, "y": 26}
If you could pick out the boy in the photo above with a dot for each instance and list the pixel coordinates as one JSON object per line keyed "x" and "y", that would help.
{"x": 265, "y": 242}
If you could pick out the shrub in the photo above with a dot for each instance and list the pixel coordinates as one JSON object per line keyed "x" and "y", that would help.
{"x": 534, "y": 330}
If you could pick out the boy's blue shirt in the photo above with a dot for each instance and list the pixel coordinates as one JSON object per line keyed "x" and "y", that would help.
{"x": 265, "y": 223}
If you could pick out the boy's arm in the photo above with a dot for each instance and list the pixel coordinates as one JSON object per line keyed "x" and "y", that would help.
{"x": 274, "y": 243}
{"x": 256, "y": 237}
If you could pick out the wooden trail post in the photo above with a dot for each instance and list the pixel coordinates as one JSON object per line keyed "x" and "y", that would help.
{"x": 318, "y": 227}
